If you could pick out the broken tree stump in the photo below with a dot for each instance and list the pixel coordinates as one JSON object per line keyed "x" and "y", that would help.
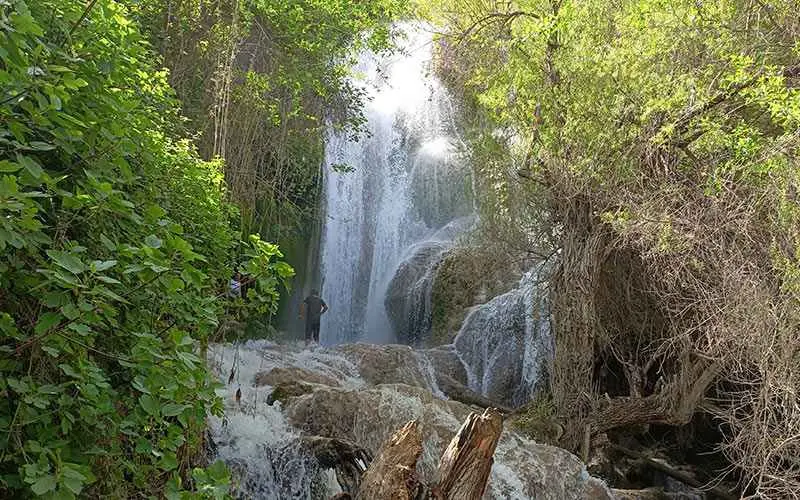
{"x": 392, "y": 475}
{"x": 463, "y": 469}
{"x": 467, "y": 462}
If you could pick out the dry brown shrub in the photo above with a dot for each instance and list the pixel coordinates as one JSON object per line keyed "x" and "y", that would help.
{"x": 695, "y": 291}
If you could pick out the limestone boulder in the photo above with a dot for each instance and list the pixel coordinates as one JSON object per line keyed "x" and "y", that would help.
{"x": 291, "y": 375}
{"x": 386, "y": 364}
{"x": 445, "y": 361}
{"x": 408, "y": 297}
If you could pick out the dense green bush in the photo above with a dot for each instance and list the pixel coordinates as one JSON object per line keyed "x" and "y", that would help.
{"x": 116, "y": 243}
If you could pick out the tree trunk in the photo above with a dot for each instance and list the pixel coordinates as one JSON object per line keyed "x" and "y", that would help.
{"x": 392, "y": 475}
{"x": 575, "y": 325}
{"x": 465, "y": 466}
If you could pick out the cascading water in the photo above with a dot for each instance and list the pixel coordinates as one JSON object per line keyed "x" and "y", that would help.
{"x": 254, "y": 438}
{"x": 506, "y": 342}
{"x": 407, "y": 182}
{"x": 357, "y": 395}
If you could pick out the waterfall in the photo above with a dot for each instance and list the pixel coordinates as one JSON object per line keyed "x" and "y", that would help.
{"x": 506, "y": 342}
{"x": 388, "y": 192}
{"x": 254, "y": 438}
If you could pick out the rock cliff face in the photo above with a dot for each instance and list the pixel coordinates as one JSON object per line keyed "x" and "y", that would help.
{"x": 354, "y": 397}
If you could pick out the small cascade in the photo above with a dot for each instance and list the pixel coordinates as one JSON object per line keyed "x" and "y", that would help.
{"x": 357, "y": 395}
{"x": 506, "y": 342}
{"x": 429, "y": 374}
{"x": 254, "y": 438}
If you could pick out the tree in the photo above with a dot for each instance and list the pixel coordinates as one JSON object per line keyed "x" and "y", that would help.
{"x": 115, "y": 247}
{"x": 660, "y": 142}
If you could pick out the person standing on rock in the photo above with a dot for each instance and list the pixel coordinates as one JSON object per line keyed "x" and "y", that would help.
{"x": 313, "y": 307}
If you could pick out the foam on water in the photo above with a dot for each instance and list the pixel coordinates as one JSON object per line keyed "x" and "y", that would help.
{"x": 254, "y": 438}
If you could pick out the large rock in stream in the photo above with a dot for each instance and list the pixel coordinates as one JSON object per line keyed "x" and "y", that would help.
{"x": 358, "y": 395}
{"x": 408, "y": 297}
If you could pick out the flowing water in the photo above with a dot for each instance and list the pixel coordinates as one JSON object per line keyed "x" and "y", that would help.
{"x": 254, "y": 437}
{"x": 264, "y": 444}
{"x": 389, "y": 221}
{"x": 407, "y": 181}
{"x": 505, "y": 343}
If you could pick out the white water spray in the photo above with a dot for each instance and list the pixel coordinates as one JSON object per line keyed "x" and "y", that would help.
{"x": 408, "y": 181}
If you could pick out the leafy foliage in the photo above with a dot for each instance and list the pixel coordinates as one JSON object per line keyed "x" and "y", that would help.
{"x": 115, "y": 246}
{"x": 262, "y": 81}
{"x": 657, "y": 141}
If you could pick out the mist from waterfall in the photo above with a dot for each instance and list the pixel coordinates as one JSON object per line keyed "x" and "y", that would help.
{"x": 407, "y": 182}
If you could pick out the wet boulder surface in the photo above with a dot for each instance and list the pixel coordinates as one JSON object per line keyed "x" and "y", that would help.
{"x": 315, "y": 442}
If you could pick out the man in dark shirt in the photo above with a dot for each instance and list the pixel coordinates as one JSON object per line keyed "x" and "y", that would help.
{"x": 313, "y": 307}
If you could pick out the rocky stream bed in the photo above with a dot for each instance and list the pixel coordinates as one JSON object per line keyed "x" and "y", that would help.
{"x": 304, "y": 423}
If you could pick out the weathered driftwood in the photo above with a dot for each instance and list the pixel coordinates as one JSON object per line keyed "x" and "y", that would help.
{"x": 391, "y": 476}
{"x": 466, "y": 463}
{"x": 673, "y": 405}
{"x": 463, "y": 469}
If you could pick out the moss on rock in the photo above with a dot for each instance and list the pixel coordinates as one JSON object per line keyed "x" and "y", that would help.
{"x": 467, "y": 276}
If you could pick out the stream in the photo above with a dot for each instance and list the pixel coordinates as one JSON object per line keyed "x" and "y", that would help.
{"x": 360, "y": 393}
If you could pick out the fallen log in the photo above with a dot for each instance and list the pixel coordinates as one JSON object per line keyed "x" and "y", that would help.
{"x": 645, "y": 494}
{"x": 392, "y": 475}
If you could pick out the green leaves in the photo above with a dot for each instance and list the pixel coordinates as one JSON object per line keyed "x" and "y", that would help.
{"x": 46, "y": 322}
{"x": 149, "y": 404}
{"x": 115, "y": 239}
{"x": 173, "y": 409}
{"x": 68, "y": 261}
{"x": 30, "y": 165}
{"x": 98, "y": 266}
{"x": 269, "y": 274}
{"x": 44, "y": 484}
{"x": 66, "y": 482}
{"x": 73, "y": 480}
{"x": 153, "y": 241}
